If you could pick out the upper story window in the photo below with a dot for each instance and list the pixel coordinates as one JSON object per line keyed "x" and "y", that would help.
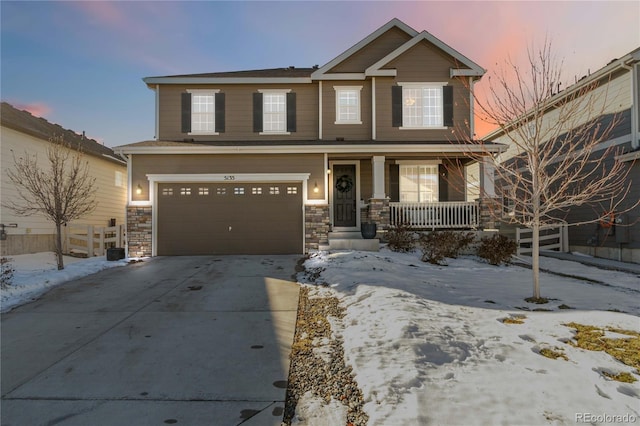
{"x": 203, "y": 112}
{"x": 348, "y": 104}
{"x": 422, "y": 105}
{"x": 274, "y": 111}
{"x": 419, "y": 183}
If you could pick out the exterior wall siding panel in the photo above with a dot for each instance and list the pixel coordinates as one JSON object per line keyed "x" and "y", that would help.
{"x": 370, "y": 54}
{"x": 239, "y": 113}
{"x": 227, "y": 164}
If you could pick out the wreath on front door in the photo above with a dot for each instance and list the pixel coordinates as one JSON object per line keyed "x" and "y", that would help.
{"x": 344, "y": 183}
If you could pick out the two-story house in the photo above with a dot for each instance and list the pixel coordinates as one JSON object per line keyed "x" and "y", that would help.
{"x": 616, "y": 87}
{"x": 24, "y": 134}
{"x": 272, "y": 161}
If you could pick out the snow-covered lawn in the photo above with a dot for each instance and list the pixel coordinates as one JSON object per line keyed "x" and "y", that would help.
{"x": 34, "y": 274}
{"x": 428, "y": 344}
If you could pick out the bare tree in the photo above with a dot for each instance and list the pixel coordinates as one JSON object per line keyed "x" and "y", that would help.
{"x": 62, "y": 189}
{"x": 556, "y": 159}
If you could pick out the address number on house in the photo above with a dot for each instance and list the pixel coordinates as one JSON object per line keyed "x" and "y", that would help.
{"x": 229, "y": 177}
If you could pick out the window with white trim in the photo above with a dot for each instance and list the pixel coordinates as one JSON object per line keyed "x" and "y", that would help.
{"x": 185, "y": 191}
{"x": 256, "y": 190}
{"x": 418, "y": 183}
{"x": 422, "y": 106}
{"x": 203, "y": 111}
{"x": 274, "y": 112}
{"x": 274, "y": 190}
{"x": 203, "y": 191}
{"x": 348, "y": 104}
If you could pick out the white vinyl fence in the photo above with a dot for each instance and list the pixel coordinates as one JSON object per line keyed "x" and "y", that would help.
{"x": 93, "y": 240}
{"x": 552, "y": 237}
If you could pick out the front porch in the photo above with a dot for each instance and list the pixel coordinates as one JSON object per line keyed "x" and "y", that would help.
{"x": 422, "y": 191}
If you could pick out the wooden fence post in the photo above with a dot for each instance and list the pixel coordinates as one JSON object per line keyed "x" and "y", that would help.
{"x": 90, "y": 240}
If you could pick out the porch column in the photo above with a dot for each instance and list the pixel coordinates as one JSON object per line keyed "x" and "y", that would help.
{"x": 487, "y": 178}
{"x": 378, "y": 177}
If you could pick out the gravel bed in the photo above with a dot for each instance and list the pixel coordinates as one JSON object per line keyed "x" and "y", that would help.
{"x": 317, "y": 360}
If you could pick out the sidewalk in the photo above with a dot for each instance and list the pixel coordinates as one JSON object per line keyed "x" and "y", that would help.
{"x": 614, "y": 265}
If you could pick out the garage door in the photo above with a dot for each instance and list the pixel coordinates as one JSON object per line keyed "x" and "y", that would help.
{"x": 229, "y": 218}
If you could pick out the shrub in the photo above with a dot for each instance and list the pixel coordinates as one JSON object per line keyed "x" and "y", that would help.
{"x": 401, "y": 238}
{"x": 497, "y": 249}
{"x": 437, "y": 245}
{"x": 6, "y": 271}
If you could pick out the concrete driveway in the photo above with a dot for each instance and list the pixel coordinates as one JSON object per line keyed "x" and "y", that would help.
{"x": 173, "y": 340}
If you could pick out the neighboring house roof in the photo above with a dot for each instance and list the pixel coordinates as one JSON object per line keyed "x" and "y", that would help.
{"x": 24, "y": 122}
{"x": 465, "y": 66}
{"x": 602, "y": 75}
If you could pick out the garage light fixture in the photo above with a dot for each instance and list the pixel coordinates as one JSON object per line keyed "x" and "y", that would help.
{"x": 315, "y": 188}
{"x": 139, "y": 189}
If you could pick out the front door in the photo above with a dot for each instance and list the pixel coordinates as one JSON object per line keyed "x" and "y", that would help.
{"x": 344, "y": 195}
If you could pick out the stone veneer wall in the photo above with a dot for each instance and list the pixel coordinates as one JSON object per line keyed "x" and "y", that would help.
{"x": 317, "y": 226}
{"x": 379, "y": 213}
{"x": 139, "y": 231}
{"x": 490, "y": 212}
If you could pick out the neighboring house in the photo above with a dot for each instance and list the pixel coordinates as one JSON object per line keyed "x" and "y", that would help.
{"x": 618, "y": 89}
{"x": 279, "y": 160}
{"x": 23, "y": 134}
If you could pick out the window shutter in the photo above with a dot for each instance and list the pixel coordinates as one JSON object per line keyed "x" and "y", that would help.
{"x": 394, "y": 183}
{"x": 443, "y": 183}
{"x": 447, "y": 106}
{"x": 220, "y": 112}
{"x": 257, "y": 112}
{"x": 186, "y": 112}
{"x": 291, "y": 112}
{"x": 396, "y": 106}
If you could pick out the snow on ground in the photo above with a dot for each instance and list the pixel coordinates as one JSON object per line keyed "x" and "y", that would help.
{"x": 35, "y": 274}
{"x": 428, "y": 345}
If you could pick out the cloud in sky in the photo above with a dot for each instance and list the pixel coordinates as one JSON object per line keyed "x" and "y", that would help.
{"x": 62, "y": 54}
{"x": 37, "y": 109}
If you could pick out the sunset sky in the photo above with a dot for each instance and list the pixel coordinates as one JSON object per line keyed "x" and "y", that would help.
{"x": 80, "y": 64}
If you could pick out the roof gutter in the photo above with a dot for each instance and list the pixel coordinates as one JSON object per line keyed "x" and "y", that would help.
{"x": 318, "y": 149}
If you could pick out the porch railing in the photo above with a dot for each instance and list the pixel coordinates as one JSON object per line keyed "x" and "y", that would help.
{"x": 450, "y": 214}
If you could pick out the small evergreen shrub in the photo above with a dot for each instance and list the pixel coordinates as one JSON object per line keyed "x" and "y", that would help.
{"x": 6, "y": 272}
{"x": 401, "y": 238}
{"x": 437, "y": 245}
{"x": 497, "y": 249}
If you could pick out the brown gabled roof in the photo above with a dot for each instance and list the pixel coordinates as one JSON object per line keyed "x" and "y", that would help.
{"x": 23, "y": 121}
{"x": 265, "y": 73}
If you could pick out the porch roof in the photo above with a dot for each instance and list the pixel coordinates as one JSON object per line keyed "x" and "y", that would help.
{"x": 307, "y": 146}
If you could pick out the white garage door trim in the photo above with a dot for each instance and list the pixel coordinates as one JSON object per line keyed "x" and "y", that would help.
{"x": 154, "y": 179}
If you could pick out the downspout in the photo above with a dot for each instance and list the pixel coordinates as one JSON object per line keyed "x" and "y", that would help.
{"x": 472, "y": 123}
{"x": 157, "y": 137}
{"x": 373, "y": 108}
